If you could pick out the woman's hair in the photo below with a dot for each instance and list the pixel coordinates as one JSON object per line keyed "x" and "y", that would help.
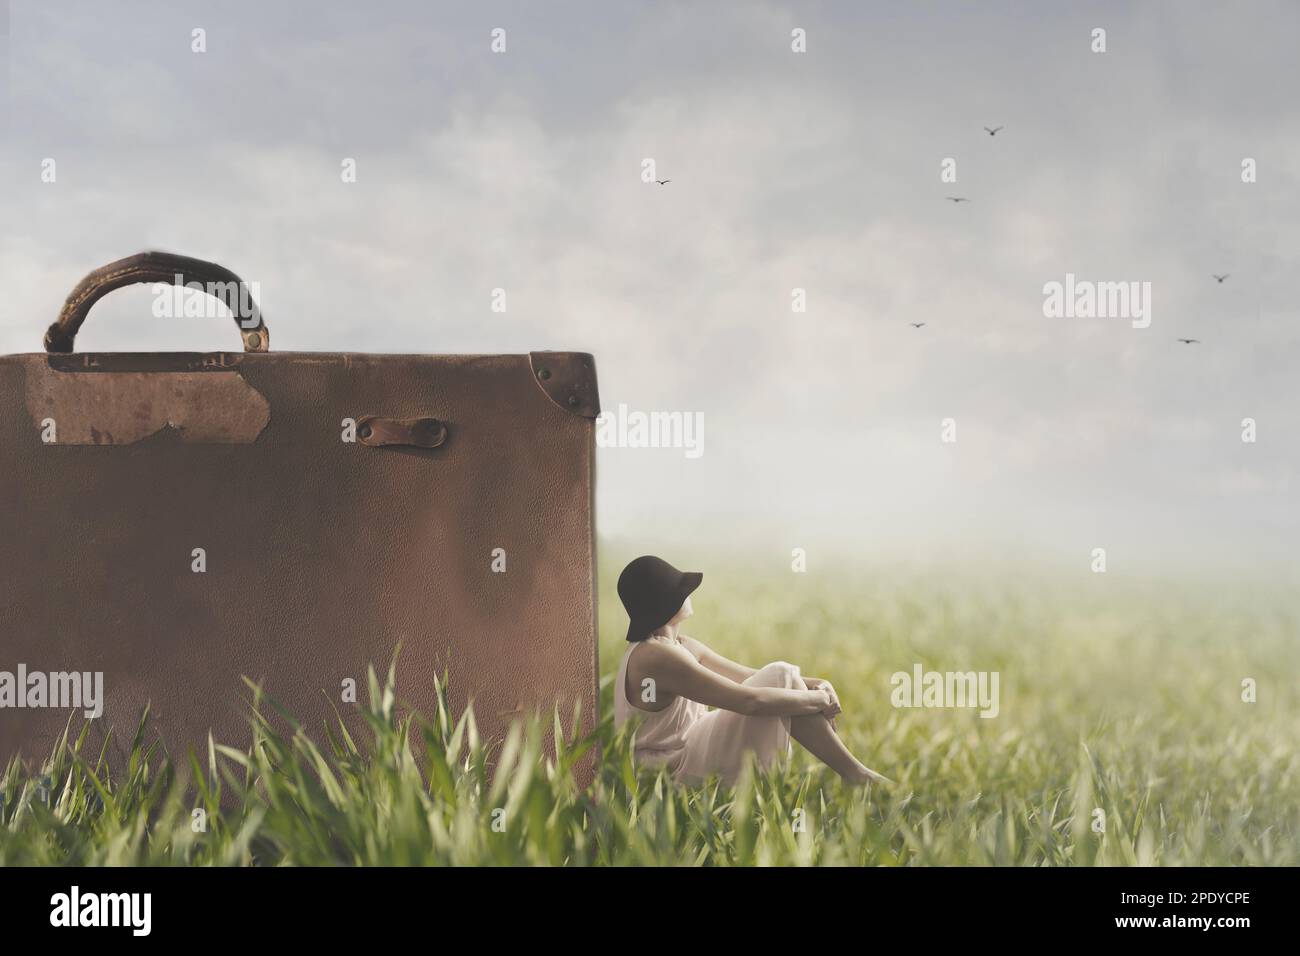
{"x": 649, "y": 634}
{"x": 646, "y": 635}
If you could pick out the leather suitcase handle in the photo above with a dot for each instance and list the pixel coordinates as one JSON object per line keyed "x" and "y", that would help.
{"x": 156, "y": 267}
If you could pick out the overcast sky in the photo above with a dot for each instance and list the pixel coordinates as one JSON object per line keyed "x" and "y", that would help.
{"x": 816, "y": 170}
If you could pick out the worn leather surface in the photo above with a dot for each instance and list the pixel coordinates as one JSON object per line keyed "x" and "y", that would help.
{"x": 322, "y": 556}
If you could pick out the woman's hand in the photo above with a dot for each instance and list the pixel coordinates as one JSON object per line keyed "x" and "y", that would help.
{"x": 821, "y": 700}
{"x": 833, "y": 710}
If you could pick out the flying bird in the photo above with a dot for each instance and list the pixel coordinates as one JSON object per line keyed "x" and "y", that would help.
{"x": 916, "y": 325}
{"x": 994, "y": 130}
{"x": 663, "y": 182}
{"x": 1190, "y": 341}
{"x": 957, "y": 199}
{"x": 1222, "y": 277}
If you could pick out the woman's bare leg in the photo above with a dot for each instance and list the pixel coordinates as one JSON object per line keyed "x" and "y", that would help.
{"x": 814, "y": 732}
{"x": 819, "y": 738}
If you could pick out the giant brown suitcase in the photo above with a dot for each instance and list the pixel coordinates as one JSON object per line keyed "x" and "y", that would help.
{"x": 456, "y": 523}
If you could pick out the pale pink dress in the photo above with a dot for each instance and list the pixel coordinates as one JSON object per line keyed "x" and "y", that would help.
{"x": 695, "y": 742}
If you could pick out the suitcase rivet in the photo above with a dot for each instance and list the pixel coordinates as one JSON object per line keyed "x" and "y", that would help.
{"x": 543, "y": 373}
{"x": 573, "y": 399}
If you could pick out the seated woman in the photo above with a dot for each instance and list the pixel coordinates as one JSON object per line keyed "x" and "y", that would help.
{"x": 668, "y": 681}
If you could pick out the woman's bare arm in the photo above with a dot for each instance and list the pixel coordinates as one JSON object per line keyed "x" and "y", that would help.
{"x": 677, "y": 671}
{"x": 715, "y": 661}
{"x": 736, "y": 671}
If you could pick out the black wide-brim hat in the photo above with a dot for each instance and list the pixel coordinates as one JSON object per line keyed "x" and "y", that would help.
{"x": 652, "y": 591}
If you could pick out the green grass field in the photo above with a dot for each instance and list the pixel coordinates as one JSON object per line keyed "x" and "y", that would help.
{"x": 1116, "y": 696}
